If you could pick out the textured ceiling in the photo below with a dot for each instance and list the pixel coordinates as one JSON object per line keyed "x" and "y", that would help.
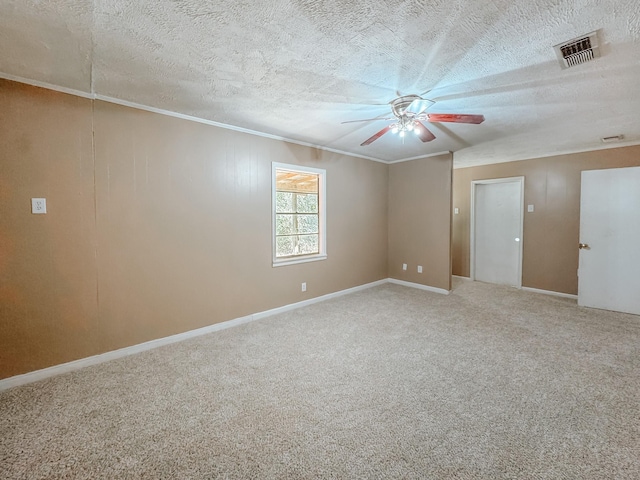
{"x": 298, "y": 68}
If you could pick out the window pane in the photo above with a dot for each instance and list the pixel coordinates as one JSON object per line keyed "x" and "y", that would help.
{"x": 307, "y": 203}
{"x": 307, "y": 224}
{"x": 301, "y": 182}
{"x": 285, "y": 224}
{"x": 284, "y": 246}
{"x": 308, "y": 244}
{"x": 284, "y": 202}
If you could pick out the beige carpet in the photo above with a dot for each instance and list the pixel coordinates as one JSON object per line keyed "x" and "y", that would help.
{"x": 391, "y": 382}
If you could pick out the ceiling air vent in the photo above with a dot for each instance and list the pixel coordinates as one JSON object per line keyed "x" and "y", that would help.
{"x": 579, "y": 50}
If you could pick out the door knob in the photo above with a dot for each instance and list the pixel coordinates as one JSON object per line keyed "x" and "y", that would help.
{"x": 583, "y": 245}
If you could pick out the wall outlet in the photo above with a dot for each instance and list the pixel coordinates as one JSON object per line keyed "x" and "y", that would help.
{"x": 404, "y": 266}
{"x": 38, "y": 205}
{"x": 419, "y": 268}
{"x": 304, "y": 286}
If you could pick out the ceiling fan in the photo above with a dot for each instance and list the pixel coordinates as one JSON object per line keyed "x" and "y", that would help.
{"x": 409, "y": 113}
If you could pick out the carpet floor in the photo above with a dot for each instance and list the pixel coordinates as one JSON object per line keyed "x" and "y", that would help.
{"x": 389, "y": 382}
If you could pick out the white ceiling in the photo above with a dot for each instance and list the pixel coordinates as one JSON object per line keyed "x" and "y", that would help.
{"x": 298, "y": 68}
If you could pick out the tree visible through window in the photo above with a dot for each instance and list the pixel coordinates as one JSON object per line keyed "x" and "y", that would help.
{"x": 298, "y": 216}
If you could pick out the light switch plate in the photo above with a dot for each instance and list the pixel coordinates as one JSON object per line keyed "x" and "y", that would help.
{"x": 38, "y": 205}
{"x": 419, "y": 268}
{"x": 529, "y": 208}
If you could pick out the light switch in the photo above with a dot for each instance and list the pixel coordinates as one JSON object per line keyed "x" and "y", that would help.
{"x": 529, "y": 208}
{"x": 456, "y": 211}
{"x": 419, "y": 268}
{"x": 38, "y": 205}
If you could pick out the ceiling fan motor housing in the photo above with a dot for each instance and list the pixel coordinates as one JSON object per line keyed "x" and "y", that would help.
{"x": 399, "y": 105}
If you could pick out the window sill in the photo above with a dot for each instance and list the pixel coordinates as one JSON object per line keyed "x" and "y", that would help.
{"x": 293, "y": 261}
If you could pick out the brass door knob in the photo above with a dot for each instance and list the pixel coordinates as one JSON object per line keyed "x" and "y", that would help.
{"x": 583, "y": 245}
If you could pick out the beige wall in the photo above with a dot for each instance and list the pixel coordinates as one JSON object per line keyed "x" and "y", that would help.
{"x": 552, "y": 185}
{"x": 420, "y": 220}
{"x": 158, "y": 225}
{"x": 165, "y": 228}
{"x": 48, "y": 283}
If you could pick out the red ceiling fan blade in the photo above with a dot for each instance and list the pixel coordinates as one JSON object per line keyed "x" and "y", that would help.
{"x": 376, "y": 136}
{"x": 423, "y": 132}
{"x": 455, "y": 118}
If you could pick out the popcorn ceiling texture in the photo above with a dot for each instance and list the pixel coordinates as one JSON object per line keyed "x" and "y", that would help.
{"x": 297, "y": 68}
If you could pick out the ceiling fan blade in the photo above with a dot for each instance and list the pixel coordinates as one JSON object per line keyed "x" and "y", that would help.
{"x": 455, "y": 118}
{"x": 419, "y": 105}
{"x": 423, "y": 132}
{"x": 376, "y": 136}
{"x": 366, "y": 120}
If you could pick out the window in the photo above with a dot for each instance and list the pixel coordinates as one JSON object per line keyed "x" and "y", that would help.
{"x": 298, "y": 214}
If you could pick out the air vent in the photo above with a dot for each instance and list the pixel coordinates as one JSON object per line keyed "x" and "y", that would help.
{"x": 579, "y": 50}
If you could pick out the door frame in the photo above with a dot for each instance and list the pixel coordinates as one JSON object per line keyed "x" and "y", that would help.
{"x": 472, "y": 232}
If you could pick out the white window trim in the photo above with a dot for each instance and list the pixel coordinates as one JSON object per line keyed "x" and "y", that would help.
{"x": 322, "y": 215}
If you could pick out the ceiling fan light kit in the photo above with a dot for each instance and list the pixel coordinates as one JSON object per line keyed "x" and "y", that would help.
{"x": 410, "y": 112}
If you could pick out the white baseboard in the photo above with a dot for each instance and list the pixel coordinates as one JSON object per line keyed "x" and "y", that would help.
{"x": 311, "y": 301}
{"x": 550, "y": 292}
{"x": 461, "y": 277}
{"x": 114, "y": 354}
{"x": 37, "y": 375}
{"x": 418, "y": 286}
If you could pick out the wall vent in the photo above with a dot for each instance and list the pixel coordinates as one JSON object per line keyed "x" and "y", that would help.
{"x": 579, "y": 50}
{"x": 615, "y": 138}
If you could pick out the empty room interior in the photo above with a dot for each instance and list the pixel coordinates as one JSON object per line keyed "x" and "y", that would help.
{"x": 320, "y": 239}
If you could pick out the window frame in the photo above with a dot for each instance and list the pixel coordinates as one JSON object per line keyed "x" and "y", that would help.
{"x": 322, "y": 230}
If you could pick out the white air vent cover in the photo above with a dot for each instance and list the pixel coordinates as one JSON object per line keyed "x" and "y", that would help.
{"x": 615, "y": 138}
{"x": 579, "y": 50}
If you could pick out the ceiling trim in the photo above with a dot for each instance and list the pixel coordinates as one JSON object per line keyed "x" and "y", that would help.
{"x": 437, "y": 154}
{"x": 126, "y": 103}
{"x": 48, "y": 86}
{"x": 191, "y": 118}
{"x": 521, "y": 158}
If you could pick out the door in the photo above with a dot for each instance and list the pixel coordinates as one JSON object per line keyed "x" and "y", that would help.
{"x": 609, "y": 271}
{"x": 497, "y": 231}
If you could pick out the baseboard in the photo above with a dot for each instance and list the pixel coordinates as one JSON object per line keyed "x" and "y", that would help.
{"x": 418, "y": 286}
{"x": 115, "y": 354}
{"x": 461, "y": 277}
{"x": 550, "y": 292}
{"x": 311, "y": 301}
{"x": 55, "y": 370}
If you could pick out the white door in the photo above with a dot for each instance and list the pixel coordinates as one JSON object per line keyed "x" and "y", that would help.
{"x": 609, "y": 274}
{"x": 497, "y": 231}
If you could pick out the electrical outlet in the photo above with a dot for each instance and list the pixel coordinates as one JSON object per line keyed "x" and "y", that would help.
{"x": 304, "y": 286}
{"x": 38, "y": 205}
{"x": 404, "y": 266}
{"x": 419, "y": 268}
